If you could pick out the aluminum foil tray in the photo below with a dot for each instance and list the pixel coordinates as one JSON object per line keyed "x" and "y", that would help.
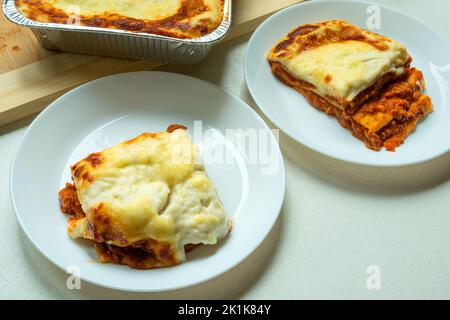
{"x": 120, "y": 43}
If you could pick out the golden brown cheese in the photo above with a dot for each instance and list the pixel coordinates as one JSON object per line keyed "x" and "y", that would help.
{"x": 339, "y": 61}
{"x": 175, "y": 18}
{"x": 150, "y": 193}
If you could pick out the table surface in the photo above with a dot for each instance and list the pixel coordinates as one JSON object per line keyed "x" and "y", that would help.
{"x": 337, "y": 220}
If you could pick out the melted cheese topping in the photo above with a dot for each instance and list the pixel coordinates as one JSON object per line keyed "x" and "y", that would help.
{"x": 139, "y": 9}
{"x": 154, "y": 187}
{"x": 344, "y": 70}
{"x": 334, "y": 63}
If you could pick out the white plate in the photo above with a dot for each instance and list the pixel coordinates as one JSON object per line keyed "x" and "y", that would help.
{"x": 287, "y": 109}
{"x": 109, "y": 110}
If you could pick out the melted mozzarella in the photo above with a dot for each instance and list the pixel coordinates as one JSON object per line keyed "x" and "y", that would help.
{"x": 153, "y": 187}
{"x": 344, "y": 70}
{"x": 138, "y": 9}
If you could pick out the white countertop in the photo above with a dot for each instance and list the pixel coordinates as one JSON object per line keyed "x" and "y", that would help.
{"x": 338, "y": 219}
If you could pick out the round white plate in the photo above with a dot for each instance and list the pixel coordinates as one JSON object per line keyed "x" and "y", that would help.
{"x": 287, "y": 109}
{"x": 249, "y": 176}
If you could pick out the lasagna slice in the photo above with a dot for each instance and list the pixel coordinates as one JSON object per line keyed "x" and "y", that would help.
{"x": 174, "y": 18}
{"x": 362, "y": 78}
{"x": 145, "y": 202}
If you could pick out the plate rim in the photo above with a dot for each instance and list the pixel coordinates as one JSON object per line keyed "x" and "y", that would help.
{"x": 54, "y": 104}
{"x": 311, "y": 146}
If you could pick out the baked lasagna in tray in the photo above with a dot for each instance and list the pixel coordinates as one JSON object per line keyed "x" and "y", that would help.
{"x": 363, "y": 79}
{"x": 184, "y": 19}
{"x": 145, "y": 202}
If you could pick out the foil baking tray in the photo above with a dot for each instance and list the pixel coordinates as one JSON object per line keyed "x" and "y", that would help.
{"x": 120, "y": 43}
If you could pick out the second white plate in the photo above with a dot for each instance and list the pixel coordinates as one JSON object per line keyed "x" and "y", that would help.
{"x": 287, "y": 109}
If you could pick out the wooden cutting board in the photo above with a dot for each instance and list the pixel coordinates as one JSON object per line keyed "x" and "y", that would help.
{"x": 31, "y": 77}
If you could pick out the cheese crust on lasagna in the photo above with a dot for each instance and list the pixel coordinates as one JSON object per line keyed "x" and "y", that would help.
{"x": 145, "y": 202}
{"x": 362, "y": 78}
{"x": 185, "y": 19}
